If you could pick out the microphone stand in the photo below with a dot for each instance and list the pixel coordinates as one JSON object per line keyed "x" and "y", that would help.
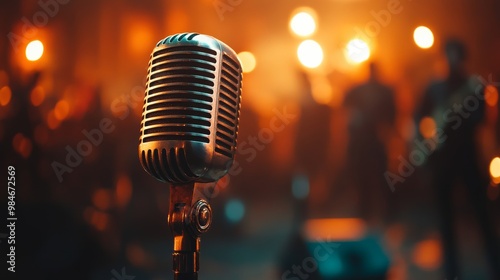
{"x": 189, "y": 216}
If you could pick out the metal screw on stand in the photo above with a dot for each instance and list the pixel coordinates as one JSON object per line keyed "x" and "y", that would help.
{"x": 201, "y": 216}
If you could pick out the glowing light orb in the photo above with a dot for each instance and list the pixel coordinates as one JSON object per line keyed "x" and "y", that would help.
{"x": 234, "y": 210}
{"x": 34, "y": 50}
{"x": 357, "y": 51}
{"x": 491, "y": 95}
{"x": 303, "y": 23}
{"x": 248, "y": 61}
{"x": 310, "y": 54}
{"x": 423, "y": 37}
{"x": 427, "y": 127}
{"x": 495, "y": 170}
{"x": 5, "y": 95}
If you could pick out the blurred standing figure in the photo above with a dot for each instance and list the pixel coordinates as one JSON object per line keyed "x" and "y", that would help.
{"x": 311, "y": 148}
{"x": 457, "y": 111}
{"x": 372, "y": 111}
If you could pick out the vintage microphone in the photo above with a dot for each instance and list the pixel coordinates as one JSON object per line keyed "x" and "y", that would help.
{"x": 188, "y": 132}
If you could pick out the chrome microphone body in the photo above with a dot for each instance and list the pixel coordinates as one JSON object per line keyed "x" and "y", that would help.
{"x": 191, "y": 109}
{"x": 188, "y": 131}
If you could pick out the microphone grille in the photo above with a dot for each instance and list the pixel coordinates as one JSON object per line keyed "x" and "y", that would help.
{"x": 228, "y": 107}
{"x": 191, "y": 109}
{"x": 179, "y": 95}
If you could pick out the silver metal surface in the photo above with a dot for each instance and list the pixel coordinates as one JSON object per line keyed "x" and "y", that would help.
{"x": 191, "y": 109}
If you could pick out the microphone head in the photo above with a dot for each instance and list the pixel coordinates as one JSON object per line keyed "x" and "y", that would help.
{"x": 191, "y": 109}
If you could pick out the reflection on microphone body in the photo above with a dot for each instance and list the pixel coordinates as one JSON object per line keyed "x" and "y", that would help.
{"x": 188, "y": 132}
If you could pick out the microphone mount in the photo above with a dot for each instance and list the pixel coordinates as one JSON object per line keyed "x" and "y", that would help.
{"x": 190, "y": 215}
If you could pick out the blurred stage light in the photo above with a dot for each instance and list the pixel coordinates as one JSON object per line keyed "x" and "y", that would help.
{"x": 34, "y": 50}
{"x": 427, "y": 254}
{"x": 357, "y": 51}
{"x": 99, "y": 220}
{"x": 137, "y": 256}
{"x": 102, "y": 199}
{"x": 37, "y": 96}
{"x": 336, "y": 248}
{"x": 5, "y": 95}
{"x": 22, "y": 145}
{"x": 61, "y": 110}
{"x": 310, "y": 54}
{"x": 123, "y": 190}
{"x": 427, "y": 127}
{"x": 234, "y": 210}
{"x": 303, "y": 22}
{"x": 495, "y": 170}
{"x": 335, "y": 229}
{"x": 52, "y": 121}
{"x": 248, "y": 61}
{"x": 491, "y": 95}
{"x": 139, "y": 33}
{"x": 423, "y": 37}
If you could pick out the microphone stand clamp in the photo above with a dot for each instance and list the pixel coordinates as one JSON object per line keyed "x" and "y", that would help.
{"x": 190, "y": 215}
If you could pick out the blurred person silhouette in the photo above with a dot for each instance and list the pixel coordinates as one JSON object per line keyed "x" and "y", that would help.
{"x": 311, "y": 149}
{"x": 456, "y": 106}
{"x": 372, "y": 110}
{"x": 309, "y": 179}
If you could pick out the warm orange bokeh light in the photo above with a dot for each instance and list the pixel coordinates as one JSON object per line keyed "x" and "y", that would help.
{"x": 123, "y": 191}
{"x": 61, "y": 110}
{"x": 423, "y": 37}
{"x": 37, "y": 96}
{"x": 99, "y": 220}
{"x": 16, "y": 141}
{"x": 102, "y": 199}
{"x": 427, "y": 127}
{"x": 491, "y": 95}
{"x": 136, "y": 255}
{"x": 5, "y": 95}
{"x": 334, "y": 229}
{"x": 140, "y": 35}
{"x": 427, "y": 254}
{"x": 34, "y": 50}
{"x": 303, "y": 22}
{"x": 357, "y": 51}
{"x": 22, "y": 145}
{"x": 495, "y": 170}
{"x": 310, "y": 54}
{"x": 52, "y": 121}
{"x": 248, "y": 61}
